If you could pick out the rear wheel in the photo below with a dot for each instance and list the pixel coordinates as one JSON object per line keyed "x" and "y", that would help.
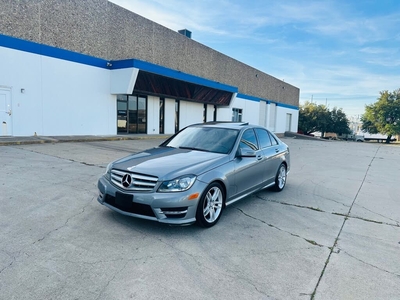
{"x": 210, "y": 205}
{"x": 280, "y": 178}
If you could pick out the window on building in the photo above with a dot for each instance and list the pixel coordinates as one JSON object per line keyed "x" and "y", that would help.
{"x": 236, "y": 114}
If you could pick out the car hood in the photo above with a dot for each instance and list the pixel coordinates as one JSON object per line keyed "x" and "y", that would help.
{"x": 168, "y": 163}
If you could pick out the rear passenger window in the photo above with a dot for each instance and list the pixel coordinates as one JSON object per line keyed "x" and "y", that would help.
{"x": 273, "y": 140}
{"x": 263, "y": 138}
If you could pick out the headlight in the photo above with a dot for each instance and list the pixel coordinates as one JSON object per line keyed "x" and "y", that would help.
{"x": 107, "y": 174}
{"x": 178, "y": 184}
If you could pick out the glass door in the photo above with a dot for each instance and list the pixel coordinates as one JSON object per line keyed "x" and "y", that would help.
{"x": 131, "y": 114}
{"x": 141, "y": 115}
{"x": 122, "y": 115}
{"x": 161, "y": 113}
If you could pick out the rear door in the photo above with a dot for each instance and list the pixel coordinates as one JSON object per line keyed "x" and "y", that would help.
{"x": 270, "y": 148}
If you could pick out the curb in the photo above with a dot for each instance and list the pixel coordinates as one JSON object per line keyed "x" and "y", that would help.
{"x": 71, "y": 139}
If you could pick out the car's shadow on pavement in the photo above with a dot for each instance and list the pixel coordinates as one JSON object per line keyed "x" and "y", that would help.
{"x": 228, "y": 218}
{"x": 149, "y": 226}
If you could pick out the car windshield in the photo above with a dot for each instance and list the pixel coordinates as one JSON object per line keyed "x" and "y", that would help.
{"x": 210, "y": 139}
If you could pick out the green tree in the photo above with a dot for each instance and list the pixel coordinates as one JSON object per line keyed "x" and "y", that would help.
{"x": 313, "y": 117}
{"x": 324, "y": 120}
{"x": 383, "y": 116}
{"x": 307, "y": 118}
{"x": 340, "y": 123}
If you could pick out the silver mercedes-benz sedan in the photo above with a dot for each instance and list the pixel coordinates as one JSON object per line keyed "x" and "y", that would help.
{"x": 196, "y": 173}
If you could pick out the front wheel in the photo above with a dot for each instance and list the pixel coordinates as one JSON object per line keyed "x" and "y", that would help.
{"x": 210, "y": 205}
{"x": 280, "y": 178}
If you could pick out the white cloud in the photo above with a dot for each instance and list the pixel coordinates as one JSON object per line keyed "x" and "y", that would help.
{"x": 335, "y": 49}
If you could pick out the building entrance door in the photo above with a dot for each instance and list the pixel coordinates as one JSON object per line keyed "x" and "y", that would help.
{"x": 131, "y": 114}
{"x": 288, "y": 122}
{"x": 5, "y": 112}
{"x": 122, "y": 114}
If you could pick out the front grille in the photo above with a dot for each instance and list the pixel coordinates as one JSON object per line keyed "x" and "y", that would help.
{"x": 139, "y": 182}
{"x": 133, "y": 207}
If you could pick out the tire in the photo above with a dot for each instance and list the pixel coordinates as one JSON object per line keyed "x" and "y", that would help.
{"x": 280, "y": 178}
{"x": 210, "y": 206}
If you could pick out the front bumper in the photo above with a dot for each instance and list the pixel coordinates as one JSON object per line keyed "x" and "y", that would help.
{"x": 171, "y": 208}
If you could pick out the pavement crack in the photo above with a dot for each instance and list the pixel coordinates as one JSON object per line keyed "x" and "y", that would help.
{"x": 371, "y": 265}
{"x": 366, "y": 220}
{"x": 12, "y": 258}
{"x": 314, "y": 243}
{"x": 66, "y": 159}
{"x": 346, "y": 217}
{"x": 82, "y": 210}
{"x": 322, "y": 196}
{"x": 111, "y": 280}
{"x": 290, "y": 204}
{"x": 397, "y": 222}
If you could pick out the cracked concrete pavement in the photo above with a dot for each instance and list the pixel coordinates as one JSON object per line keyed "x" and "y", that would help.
{"x": 333, "y": 233}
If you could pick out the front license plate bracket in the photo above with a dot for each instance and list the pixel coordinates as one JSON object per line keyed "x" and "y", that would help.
{"x": 123, "y": 201}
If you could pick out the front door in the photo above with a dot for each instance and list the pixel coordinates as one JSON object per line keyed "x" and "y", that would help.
{"x": 5, "y": 112}
{"x": 131, "y": 114}
{"x": 246, "y": 168}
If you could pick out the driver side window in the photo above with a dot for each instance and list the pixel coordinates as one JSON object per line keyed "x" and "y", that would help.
{"x": 249, "y": 140}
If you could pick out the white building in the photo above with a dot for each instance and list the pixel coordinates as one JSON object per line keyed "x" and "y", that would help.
{"x": 60, "y": 81}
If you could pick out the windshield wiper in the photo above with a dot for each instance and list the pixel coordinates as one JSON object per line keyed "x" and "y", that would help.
{"x": 193, "y": 148}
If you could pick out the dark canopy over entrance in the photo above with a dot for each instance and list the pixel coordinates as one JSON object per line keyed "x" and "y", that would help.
{"x": 153, "y": 84}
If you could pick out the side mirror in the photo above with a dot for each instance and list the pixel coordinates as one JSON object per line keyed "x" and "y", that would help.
{"x": 245, "y": 153}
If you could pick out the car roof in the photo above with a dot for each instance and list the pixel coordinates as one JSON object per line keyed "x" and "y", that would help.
{"x": 227, "y": 124}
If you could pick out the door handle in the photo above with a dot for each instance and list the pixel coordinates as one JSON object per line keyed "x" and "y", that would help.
{"x": 8, "y": 112}
{"x": 259, "y": 157}
{"x": 276, "y": 150}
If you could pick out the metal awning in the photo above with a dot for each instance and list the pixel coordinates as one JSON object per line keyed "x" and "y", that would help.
{"x": 162, "y": 86}
{"x": 136, "y": 76}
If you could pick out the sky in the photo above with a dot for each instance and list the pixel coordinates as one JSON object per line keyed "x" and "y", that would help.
{"x": 340, "y": 53}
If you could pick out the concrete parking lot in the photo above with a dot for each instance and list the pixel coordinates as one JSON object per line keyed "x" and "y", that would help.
{"x": 333, "y": 233}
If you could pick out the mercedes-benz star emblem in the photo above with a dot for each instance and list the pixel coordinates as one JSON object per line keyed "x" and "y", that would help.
{"x": 126, "y": 180}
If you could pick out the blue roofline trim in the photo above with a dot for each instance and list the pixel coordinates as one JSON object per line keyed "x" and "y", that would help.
{"x": 248, "y": 97}
{"x": 50, "y": 51}
{"x": 256, "y": 99}
{"x": 287, "y": 106}
{"x": 164, "y": 71}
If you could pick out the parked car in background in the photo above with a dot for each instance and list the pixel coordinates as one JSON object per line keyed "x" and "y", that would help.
{"x": 195, "y": 174}
{"x": 351, "y": 137}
